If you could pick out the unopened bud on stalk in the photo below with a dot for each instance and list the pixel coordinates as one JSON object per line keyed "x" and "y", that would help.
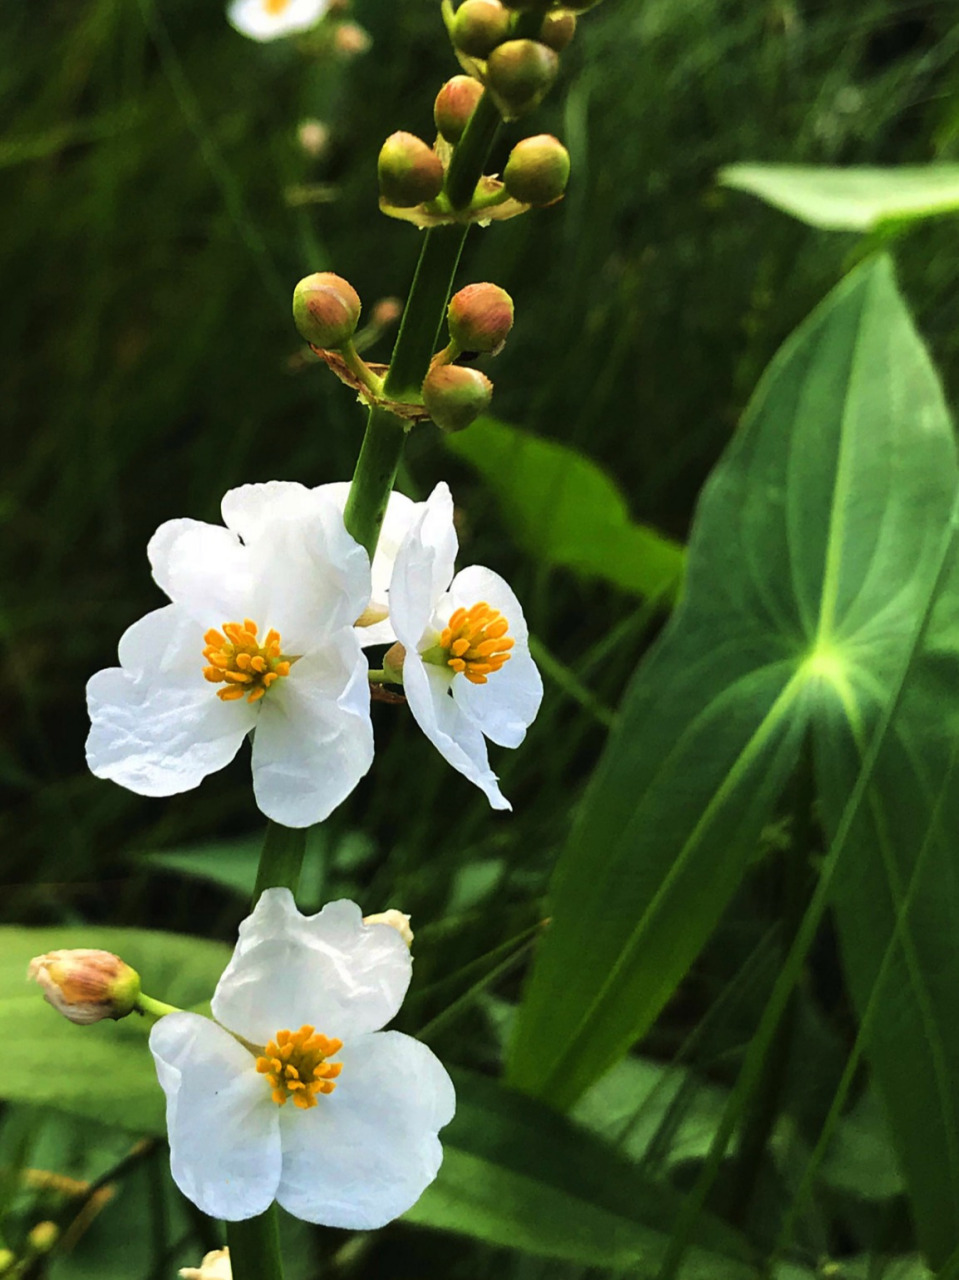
{"x": 410, "y": 172}
{"x": 215, "y": 1266}
{"x": 520, "y": 72}
{"x": 86, "y": 986}
{"x": 558, "y": 29}
{"x": 479, "y": 26}
{"x": 397, "y": 920}
{"x": 454, "y": 105}
{"x": 351, "y": 40}
{"x": 43, "y": 1237}
{"x": 480, "y": 317}
{"x": 455, "y": 396}
{"x": 326, "y": 309}
{"x": 537, "y": 170}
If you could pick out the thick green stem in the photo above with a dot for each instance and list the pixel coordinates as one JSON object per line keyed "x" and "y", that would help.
{"x": 255, "y": 1247}
{"x": 281, "y": 859}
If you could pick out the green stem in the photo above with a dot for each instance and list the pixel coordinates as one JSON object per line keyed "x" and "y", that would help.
{"x": 281, "y": 859}
{"x": 255, "y": 1247}
{"x": 154, "y": 1008}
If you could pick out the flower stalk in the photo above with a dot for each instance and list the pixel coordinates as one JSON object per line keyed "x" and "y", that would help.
{"x": 254, "y": 1246}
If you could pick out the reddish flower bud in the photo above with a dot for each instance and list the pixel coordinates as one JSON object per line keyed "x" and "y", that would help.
{"x": 519, "y": 73}
{"x": 454, "y": 396}
{"x": 480, "y": 316}
{"x": 558, "y": 29}
{"x": 326, "y": 309}
{"x": 410, "y": 172}
{"x": 537, "y": 170}
{"x": 454, "y": 105}
{"x": 479, "y": 26}
{"x": 86, "y": 986}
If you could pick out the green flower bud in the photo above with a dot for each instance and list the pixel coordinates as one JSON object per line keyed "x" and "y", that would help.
{"x": 86, "y": 986}
{"x": 479, "y": 26}
{"x": 537, "y": 170}
{"x": 519, "y": 73}
{"x": 410, "y": 172}
{"x": 480, "y": 316}
{"x": 326, "y": 309}
{"x": 454, "y": 396}
{"x": 558, "y": 29}
{"x": 454, "y": 105}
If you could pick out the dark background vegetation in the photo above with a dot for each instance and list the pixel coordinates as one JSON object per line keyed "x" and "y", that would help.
{"x": 155, "y": 214}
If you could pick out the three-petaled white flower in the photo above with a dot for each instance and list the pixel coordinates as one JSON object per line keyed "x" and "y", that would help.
{"x": 467, "y": 669}
{"x": 270, "y": 19}
{"x": 259, "y": 637}
{"x": 307, "y": 1101}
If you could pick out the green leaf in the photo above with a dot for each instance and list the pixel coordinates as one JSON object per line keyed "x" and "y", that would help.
{"x": 564, "y": 510}
{"x": 233, "y": 864}
{"x": 517, "y": 1174}
{"x": 816, "y": 545}
{"x": 854, "y": 199}
{"x": 104, "y": 1071}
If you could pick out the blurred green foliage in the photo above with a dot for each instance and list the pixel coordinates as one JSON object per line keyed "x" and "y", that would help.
{"x": 156, "y": 210}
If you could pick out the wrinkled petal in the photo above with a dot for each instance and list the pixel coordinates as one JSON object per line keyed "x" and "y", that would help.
{"x": 366, "y": 1152}
{"x": 448, "y": 727}
{"x": 204, "y": 569}
{"x": 400, "y": 514}
{"x": 158, "y": 728}
{"x": 507, "y": 704}
{"x": 222, "y": 1123}
{"x": 328, "y": 971}
{"x": 250, "y": 509}
{"x": 314, "y": 738}
{"x": 424, "y": 567}
{"x": 252, "y": 17}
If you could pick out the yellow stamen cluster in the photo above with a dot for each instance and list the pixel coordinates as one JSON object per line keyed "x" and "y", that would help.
{"x": 237, "y": 658}
{"x": 295, "y": 1065}
{"x": 275, "y": 7}
{"x": 476, "y": 642}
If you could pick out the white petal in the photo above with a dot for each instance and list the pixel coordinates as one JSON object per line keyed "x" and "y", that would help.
{"x": 312, "y": 578}
{"x": 328, "y": 971}
{"x": 314, "y": 737}
{"x": 250, "y": 509}
{"x": 204, "y": 569}
{"x": 222, "y": 1122}
{"x": 446, "y": 725}
{"x": 159, "y": 728}
{"x": 507, "y": 704}
{"x": 400, "y": 514}
{"x": 367, "y": 1152}
{"x": 424, "y": 567}
{"x": 252, "y": 17}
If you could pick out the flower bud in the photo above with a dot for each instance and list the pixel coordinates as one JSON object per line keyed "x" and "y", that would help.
{"x": 479, "y": 26}
{"x": 326, "y": 309}
{"x": 351, "y": 39}
{"x": 398, "y": 920}
{"x": 454, "y": 105}
{"x": 313, "y": 136}
{"x": 454, "y": 396}
{"x": 537, "y": 170}
{"x": 480, "y": 317}
{"x": 519, "y": 73}
{"x": 86, "y": 986}
{"x": 215, "y": 1266}
{"x": 558, "y": 29}
{"x": 410, "y": 172}
{"x": 43, "y": 1237}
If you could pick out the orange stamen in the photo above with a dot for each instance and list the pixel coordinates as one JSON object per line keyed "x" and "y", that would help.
{"x": 476, "y": 642}
{"x": 295, "y": 1065}
{"x": 238, "y": 660}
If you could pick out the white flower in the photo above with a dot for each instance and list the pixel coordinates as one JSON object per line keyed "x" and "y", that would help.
{"x": 401, "y": 511}
{"x": 307, "y": 1101}
{"x": 467, "y": 669}
{"x": 270, "y": 19}
{"x": 259, "y": 637}
{"x": 215, "y": 1266}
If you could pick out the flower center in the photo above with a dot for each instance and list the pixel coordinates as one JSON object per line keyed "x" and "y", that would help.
{"x": 475, "y": 642}
{"x": 295, "y": 1064}
{"x": 275, "y": 7}
{"x": 237, "y": 659}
